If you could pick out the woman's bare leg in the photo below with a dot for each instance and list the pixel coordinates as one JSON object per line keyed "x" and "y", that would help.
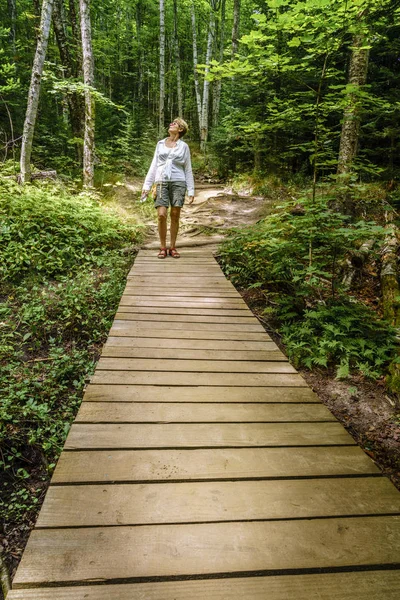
{"x": 162, "y": 225}
{"x": 175, "y": 214}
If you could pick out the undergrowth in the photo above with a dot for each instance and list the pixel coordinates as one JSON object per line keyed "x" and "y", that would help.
{"x": 298, "y": 258}
{"x": 63, "y": 262}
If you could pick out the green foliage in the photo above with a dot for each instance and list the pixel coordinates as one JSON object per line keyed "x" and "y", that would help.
{"x": 298, "y": 260}
{"x": 64, "y": 259}
{"x": 47, "y": 231}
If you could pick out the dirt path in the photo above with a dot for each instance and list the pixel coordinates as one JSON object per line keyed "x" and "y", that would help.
{"x": 215, "y": 210}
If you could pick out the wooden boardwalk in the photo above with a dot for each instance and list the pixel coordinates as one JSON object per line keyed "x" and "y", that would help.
{"x": 201, "y": 466}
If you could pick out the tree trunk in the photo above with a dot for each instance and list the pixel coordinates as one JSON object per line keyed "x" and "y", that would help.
{"x": 235, "y": 27}
{"x": 351, "y": 118}
{"x": 162, "y": 70}
{"x": 75, "y": 106}
{"x": 34, "y": 90}
{"x": 389, "y": 281}
{"x": 88, "y": 78}
{"x": 218, "y": 83}
{"x": 177, "y": 60}
{"x": 196, "y": 75}
{"x": 206, "y": 85}
{"x": 12, "y": 15}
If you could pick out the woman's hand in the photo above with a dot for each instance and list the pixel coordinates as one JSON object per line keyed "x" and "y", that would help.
{"x": 190, "y": 200}
{"x": 144, "y": 195}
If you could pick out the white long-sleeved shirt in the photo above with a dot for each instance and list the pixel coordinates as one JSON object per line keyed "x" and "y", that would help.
{"x": 171, "y": 164}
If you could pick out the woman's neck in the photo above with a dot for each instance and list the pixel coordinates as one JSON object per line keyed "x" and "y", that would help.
{"x": 173, "y": 138}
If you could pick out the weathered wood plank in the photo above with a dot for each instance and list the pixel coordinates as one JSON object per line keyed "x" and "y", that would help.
{"x": 195, "y": 502}
{"x": 192, "y": 344}
{"x": 198, "y": 366}
{"x": 188, "y": 379}
{"x": 131, "y": 330}
{"x": 181, "y": 325}
{"x": 208, "y": 292}
{"x": 130, "y": 315}
{"x": 178, "y": 412}
{"x": 187, "y": 282}
{"x": 204, "y": 435}
{"x": 178, "y": 302}
{"x": 216, "y": 464}
{"x": 184, "y": 353}
{"x": 157, "y": 311}
{"x": 151, "y": 393}
{"x": 112, "y": 553}
{"x": 364, "y": 585}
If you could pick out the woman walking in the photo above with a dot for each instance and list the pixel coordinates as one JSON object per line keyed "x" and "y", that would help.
{"x": 171, "y": 170}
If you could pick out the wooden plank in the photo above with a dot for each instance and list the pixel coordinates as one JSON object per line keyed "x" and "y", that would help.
{"x": 204, "y": 435}
{"x": 176, "y": 312}
{"x": 192, "y": 344}
{"x": 165, "y": 277}
{"x": 151, "y": 393}
{"x": 194, "y": 502}
{"x": 126, "y": 329}
{"x": 188, "y": 379}
{"x": 178, "y": 412}
{"x": 198, "y": 366}
{"x": 209, "y": 292}
{"x": 184, "y": 353}
{"x": 357, "y": 585}
{"x": 187, "y": 282}
{"x": 176, "y": 301}
{"x": 211, "y": 464}
{"x": 129, "y": 315}
{"x": 112, "y": 553}
{"x": 252, "y": 327}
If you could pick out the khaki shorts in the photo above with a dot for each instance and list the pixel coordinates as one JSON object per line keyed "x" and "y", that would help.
{"x": 170, "y": 193}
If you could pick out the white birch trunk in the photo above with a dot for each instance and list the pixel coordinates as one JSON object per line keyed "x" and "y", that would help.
{"x": 218, "y": 83}
{"x": 177, "y": 61}
{"x": 88, "y": 78}
{"x": 206, "y": 85}
{"x": 196, "y": 75}
{"x": 34, "y": 90}
{"x": 162, "y": 70}
{"x": 351, "y": 118}
{"x": 235, "y": 27}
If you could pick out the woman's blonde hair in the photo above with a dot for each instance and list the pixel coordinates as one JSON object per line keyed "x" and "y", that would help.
{"x": 183, "y": 125}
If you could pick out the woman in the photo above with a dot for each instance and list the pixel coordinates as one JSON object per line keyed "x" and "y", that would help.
{"x": 171, "y": 170}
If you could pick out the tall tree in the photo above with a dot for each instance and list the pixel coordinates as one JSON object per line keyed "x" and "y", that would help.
{"x": 218, "y": 82}
{"x": 206, "y": 84}
{"x": 195, "y": 72}
{"x": 73, "y": 99}
{"x": 88, "y": 78}
{"x": 162, "y": 70}
{"x": 177, "y": 60}
{"x": 235, "y": 26}
{"x": 358, "y": 70}
{"x": 12, "y": 14}
{"x": 34, "y": 90}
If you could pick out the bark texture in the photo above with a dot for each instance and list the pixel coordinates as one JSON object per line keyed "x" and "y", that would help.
{"x": 196, "y": 75}
{"x": 235, "y": 26}
{"x": 351, "y": 118}
{"x": 34, "y": 90}
{"x": 162, "y": 70}
{"x": 12, "y": 15}
{"x": 218, "y": 83}
{"x": 74, "y": 101}
{"x": 206, "y": 84}
{"x": 88, "y": 78}
{"x": 177, "y": 60}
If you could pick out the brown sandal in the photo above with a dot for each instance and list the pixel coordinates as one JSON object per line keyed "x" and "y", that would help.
{"x": 174, "y": 253}
{"x": 162, "y": 253}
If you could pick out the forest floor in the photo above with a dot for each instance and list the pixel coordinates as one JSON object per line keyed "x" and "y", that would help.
{"x": 364, "y": 407}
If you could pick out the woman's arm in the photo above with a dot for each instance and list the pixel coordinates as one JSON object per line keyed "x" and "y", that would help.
{"x": 189, "y": 174}
{"x": 151, "y": 174}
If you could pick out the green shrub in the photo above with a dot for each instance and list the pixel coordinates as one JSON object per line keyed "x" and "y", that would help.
{"x": 298, "y": 260}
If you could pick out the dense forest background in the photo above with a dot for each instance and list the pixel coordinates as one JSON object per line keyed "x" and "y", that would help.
{"x": 295, "y": 102}
{"x": 277, "y": 87}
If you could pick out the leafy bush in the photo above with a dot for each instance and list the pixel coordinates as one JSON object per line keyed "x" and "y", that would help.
{"x": 63, "y": 259}
{"x": 45, "y": 230}
{"x": 298, "y": 259}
